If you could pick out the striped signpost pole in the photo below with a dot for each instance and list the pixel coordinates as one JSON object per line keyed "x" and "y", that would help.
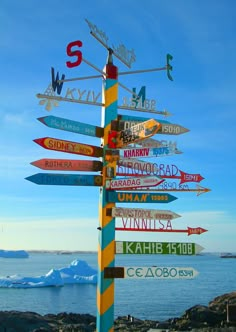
{"x": 106, "y": 241}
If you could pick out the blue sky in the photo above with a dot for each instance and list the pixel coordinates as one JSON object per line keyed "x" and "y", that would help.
{"x": 199, "y": 35}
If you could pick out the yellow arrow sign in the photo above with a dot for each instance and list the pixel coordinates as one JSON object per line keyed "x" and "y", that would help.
{"x": 137, "y": 133}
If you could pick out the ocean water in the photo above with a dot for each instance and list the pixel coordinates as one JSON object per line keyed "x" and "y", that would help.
{"x": 144, "y": 299}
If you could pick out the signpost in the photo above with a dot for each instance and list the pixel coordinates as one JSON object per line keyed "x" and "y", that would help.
{"x": 72, "y": 126}
{"x": 65, "y": 179}
{"x": 136, "y": 133}
{"x": 137, "y": 182}
{"x": 137, "y": 197}
{"x": 160, "y": 248}
{"x": 119, "y": 212}
{"x": 68, "y": 165}
{"x": 127, "y": 130}
{"x": 69, "y": 147}
{"x": 189, "y": 230}
{"x": 150, "y": 273}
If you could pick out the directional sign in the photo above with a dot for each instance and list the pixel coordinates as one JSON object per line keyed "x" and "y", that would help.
{"x": 149, "y": 273}
{"x": 65, "y": 179}
{"x": 166, "y": 128}
{"x": 137, "y": 197}
{"x": 68, "y": 165}
{"x": 136, "y": 133}
{"x": 199, "y": 190}
{"x": 135, "y": 182}
{"x": 161, "y": 248}
{"x": 189, "y": 230}
{"x": 132, "y": 118}
{"x": 153, "y": 143}
{"x": 72, "y": 126}
{"x": 118, "y": 212}
{"x": 69, "y": 147}
{"x": 154, "y": 169}
{"x": 141, "y": 152}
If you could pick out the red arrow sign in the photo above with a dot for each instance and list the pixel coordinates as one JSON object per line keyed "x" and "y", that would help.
{"x": 189, "y": 230}
{"x": 141, "y": 168}
{"x": 68, "y": 165}
{"x": 184, "y": 177}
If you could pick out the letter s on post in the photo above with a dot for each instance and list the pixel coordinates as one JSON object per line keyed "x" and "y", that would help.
{"x": 76, "y": 53}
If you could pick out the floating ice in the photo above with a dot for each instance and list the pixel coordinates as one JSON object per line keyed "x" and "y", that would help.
{"x": 78, "y": 272}
{"x": 13, "y": 254}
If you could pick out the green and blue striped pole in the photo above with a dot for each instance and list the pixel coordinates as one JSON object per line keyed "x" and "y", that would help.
{"x": 106, "y": 241}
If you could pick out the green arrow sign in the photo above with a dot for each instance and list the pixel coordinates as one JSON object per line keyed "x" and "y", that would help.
{"x": 161, "y": 248}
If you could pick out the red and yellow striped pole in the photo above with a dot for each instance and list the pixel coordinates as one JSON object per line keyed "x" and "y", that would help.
{"x": 106, "y": 241}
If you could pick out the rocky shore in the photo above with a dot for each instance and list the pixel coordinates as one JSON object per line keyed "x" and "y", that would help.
{"x": 205, "y": 318}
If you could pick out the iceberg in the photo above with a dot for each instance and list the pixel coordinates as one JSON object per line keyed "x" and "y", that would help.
{"x": 13, "y": 254}
{"x": 78, "y": 272}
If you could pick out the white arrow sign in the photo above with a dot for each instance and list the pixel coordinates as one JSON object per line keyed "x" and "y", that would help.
{"x": 135, "y": 182}
{"x": 159, "y": 272}
{"x": 118, "y": 212}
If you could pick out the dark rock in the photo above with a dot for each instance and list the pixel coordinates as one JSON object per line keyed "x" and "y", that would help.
{"x": 219, "y": 302}
{"x": 198, "y": 317}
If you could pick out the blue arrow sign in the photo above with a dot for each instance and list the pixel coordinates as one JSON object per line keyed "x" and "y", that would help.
{"x": 137, "y": 119}
{"x": 72, "y": 126}
{"x": 139, "y": 197}
{"x": 65, "y": 179}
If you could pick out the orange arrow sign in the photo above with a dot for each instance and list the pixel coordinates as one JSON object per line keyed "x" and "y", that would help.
{"x": 70, "y": 147}
{"x": 134, "y": 134}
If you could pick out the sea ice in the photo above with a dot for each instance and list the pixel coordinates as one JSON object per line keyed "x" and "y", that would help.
{"x": 78, "y": 272}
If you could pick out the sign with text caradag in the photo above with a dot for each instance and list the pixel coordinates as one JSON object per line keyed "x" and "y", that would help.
{"x": 135, "y": 182}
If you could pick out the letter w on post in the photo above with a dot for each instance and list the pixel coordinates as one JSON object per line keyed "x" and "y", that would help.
{"x": 55, "y": 84}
